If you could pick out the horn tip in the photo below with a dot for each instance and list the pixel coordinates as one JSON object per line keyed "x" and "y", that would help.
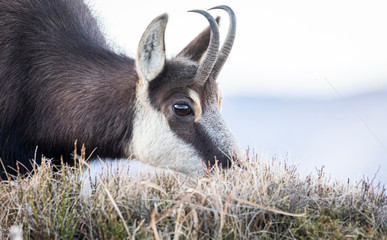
{"x": 223, "y": 7}
{"x": 219, "y": 7}
{"x": 195, "y": 10}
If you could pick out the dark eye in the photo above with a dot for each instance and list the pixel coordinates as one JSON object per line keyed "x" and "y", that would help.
{"x": 182, "y": 110}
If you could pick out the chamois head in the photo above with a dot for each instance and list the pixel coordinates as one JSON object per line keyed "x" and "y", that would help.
{"x": 177, "y": 122}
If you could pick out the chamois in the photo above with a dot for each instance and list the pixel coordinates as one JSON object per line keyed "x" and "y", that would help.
{"x": 60, "y": 82}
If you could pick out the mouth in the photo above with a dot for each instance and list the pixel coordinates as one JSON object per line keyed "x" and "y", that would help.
{"x": 233, "y": 157}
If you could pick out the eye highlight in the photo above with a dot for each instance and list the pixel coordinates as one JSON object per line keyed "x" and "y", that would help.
{"x": 182, "y": 109}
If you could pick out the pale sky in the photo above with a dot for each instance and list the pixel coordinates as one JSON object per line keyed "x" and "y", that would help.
{"x": 282, "y": 48}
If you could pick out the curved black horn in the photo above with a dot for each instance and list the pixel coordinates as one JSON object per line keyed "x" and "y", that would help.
{"x": 209, "y": 59}
{"x": 227, "y": 45}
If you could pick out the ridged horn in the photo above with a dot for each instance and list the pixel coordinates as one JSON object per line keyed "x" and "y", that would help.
{"x": 208, "y": 62}
{"x": 227, "y": 45}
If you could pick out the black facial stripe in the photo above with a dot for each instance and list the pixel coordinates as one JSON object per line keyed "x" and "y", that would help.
{"x": 198, "y": 138}
{"x": 210, "y": 149}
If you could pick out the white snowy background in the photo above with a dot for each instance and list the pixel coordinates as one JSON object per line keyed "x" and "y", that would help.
{"x": 307, "y": 79}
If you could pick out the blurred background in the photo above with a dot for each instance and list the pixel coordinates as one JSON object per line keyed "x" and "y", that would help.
{"x": 305, "y": 79}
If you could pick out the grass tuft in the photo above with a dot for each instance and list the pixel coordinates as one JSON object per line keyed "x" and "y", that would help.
{"x": 256, "y": 198}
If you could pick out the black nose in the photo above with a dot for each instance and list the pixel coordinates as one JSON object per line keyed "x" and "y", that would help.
{"x": 221, "y": 160}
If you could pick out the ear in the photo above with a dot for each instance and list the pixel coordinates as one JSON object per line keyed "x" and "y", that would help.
{"x": 197, "y": 47}
{"x": 151, "y": 49}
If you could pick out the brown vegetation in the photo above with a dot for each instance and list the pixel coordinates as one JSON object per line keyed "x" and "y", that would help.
{"x": 255, "y": 198}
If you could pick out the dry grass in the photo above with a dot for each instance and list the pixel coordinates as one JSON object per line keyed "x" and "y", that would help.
{"x": 259, "y": 198}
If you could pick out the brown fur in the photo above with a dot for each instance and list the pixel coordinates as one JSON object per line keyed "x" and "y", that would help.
{"x": 60, "y": 82}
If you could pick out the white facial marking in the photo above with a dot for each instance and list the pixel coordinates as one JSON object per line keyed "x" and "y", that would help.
{"x": 218, "y": 131}
{"x": 198, "y": 107}
{"x": 154, "y": 143}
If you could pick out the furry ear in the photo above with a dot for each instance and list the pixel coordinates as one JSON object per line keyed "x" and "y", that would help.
{"x": 151, "y": 49}
{"x": 197, "y": 47}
